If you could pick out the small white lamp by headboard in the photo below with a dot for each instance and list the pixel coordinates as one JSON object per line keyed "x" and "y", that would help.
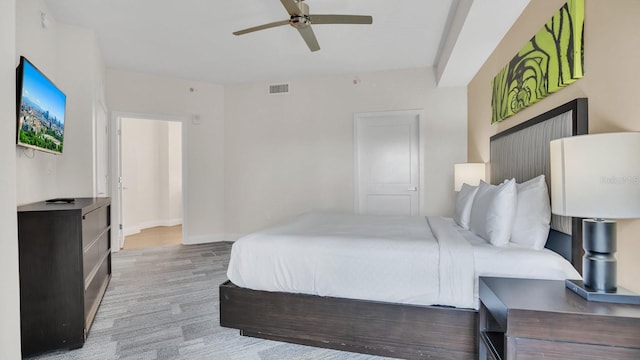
{"x": 470, "y": 173}
{"x": 597, "y": 177}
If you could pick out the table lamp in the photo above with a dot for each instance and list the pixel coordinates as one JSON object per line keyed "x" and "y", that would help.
{"x": 469, "y": 173}
{"x": 597, "y": 177}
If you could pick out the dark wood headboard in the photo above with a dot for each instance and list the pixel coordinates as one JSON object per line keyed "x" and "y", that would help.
{"x": 522, "y": 152}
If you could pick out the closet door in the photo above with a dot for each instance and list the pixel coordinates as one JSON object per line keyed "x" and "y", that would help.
{"x": 387, "y": 163}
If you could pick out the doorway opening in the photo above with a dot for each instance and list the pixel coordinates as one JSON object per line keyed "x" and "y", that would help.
{"x": 149, "y": 187}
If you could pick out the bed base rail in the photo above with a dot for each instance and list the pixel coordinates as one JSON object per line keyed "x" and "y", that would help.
{"x": 377, "y": 328}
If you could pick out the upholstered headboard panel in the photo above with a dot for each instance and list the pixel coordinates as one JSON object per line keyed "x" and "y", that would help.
{"x": 522, "y": 152}
{"x": 524, "y": 155}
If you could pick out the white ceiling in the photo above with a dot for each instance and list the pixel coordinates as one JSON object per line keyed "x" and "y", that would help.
{"x": 191, "y": 39}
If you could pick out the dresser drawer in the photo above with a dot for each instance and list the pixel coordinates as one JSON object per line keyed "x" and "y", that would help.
{"x": 531, "y": 349}
{"x": 93, "y": 254}
{"x": 95, "y": 289}
{"x": 94, "y": 223}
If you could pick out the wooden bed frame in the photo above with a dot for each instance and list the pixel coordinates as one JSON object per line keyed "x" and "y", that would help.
{"x": 385, "y": 329}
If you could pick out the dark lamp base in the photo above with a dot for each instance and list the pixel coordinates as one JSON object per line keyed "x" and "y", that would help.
{"x": 620, "y": 296}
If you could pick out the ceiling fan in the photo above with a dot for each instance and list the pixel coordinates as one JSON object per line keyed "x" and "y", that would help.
{"x": 302, "y": 20}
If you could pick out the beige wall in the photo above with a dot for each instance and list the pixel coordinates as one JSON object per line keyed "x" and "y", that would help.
{"x": 612, "y": 49}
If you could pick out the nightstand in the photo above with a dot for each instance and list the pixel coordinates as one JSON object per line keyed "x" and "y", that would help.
{"x": 541, "y": 319}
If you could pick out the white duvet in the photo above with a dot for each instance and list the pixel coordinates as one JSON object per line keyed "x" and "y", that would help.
{"x": 400, "y": 259}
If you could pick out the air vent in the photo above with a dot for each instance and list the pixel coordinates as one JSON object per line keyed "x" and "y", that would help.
{"x": 279, "y": 89}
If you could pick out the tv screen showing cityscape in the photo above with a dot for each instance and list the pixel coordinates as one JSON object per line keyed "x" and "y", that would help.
{"x": 41, "y": 110}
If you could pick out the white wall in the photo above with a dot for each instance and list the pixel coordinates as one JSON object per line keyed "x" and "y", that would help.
{"x": 80, "y": 70}
{"x": 152, "y": 173}
{"x": 37, "y": 176}
{"x": 288, "y": 154}
{"x": 173, "y": 150}
{"x": 71, "y": 58}
{"x": 255, "y": 159}
{"x": 136, "y": 93}
{"x": 9, "y": 301}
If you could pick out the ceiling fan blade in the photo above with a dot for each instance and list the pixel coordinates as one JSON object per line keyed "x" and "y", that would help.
{"x": 310, "y": 38}
{"x": 262, "y": 27}
{"x": 291, "y": 6}
{"x": 341, "y": 19}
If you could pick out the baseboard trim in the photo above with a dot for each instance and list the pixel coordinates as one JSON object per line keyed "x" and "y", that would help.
{"x": 233, "y": 237}
{"x": 204, "y": 239}
{"x": 154, "y": 223}
{"x": 135, "y": 229}
{"x": 190, "y": 240}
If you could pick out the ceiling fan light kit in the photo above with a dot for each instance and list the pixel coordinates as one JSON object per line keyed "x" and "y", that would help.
{"x": 301, "y": 20}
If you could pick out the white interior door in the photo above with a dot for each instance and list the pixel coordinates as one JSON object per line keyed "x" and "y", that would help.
{"x": 387, "y": 163}
{"x": 117, "y": 236}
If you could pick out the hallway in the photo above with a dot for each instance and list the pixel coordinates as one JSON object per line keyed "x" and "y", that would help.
{"x": 154, "y": 237}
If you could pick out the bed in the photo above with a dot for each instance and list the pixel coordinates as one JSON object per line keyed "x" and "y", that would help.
{"x": 398, "y": 325}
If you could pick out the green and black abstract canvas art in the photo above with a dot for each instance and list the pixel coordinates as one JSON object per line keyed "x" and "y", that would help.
{"x": 551, "y": 60}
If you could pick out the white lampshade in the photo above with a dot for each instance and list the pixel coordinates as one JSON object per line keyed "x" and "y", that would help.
{"x": 470, "y": 173}
{"x": 596, "y": 176}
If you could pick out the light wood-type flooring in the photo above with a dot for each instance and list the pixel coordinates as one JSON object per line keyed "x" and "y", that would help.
{"x": 153, "y": 237}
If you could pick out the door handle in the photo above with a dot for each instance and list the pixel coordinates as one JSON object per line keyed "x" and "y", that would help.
{"x": 413, "y": 188}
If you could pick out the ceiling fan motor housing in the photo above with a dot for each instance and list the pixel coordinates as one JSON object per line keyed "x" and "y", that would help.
{"x": 300, "y": 22}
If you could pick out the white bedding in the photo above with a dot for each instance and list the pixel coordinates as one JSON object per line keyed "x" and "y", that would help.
{"x": 381, "y": 258}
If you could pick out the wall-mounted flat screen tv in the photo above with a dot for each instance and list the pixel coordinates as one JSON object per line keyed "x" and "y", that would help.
{"x": 40, "y": 109}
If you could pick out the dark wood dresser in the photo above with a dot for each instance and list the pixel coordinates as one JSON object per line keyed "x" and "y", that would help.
{"x": 541, "y": 319}
{"x": 65, "y": 267}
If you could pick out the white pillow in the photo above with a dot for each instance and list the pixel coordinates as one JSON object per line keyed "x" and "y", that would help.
{"x": 533, "y": 214}
{"x": 493, "y": 212}
{"x": 464, "y": 200}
